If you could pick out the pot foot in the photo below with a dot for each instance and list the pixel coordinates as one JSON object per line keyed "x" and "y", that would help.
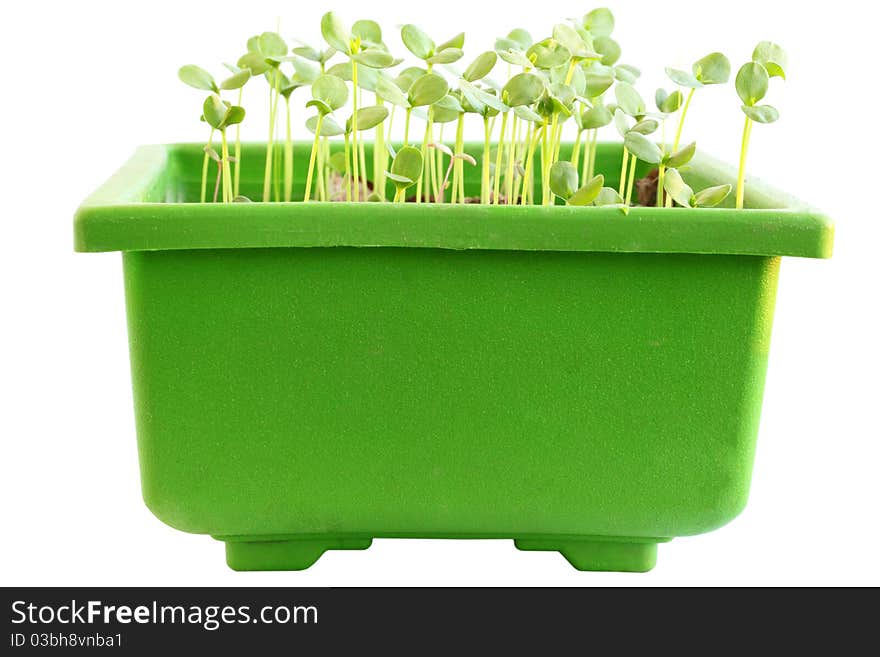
{"x": 632, "y": 555}
{"x": 286, "y": 554}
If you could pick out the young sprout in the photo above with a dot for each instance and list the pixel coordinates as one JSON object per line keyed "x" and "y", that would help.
{"x": 681, "y": 193}
{"x": 488, "y": 105}
{"x": 564, "y": 184}
{"x": 406, "y": 169}
{"x": 714, "y": 68}
{"x": 446, "y": 110}
{"x": 667, "y": 103}
{"x": 644, "y": 149}
{"x": 423, "y": 47}
{"x": 367, "y": 119}
{"x": 752, "y": 81}
{"x": 238, "y": 79}
{"x": 358, "y": 46}
{"x": 329, "y": 93}
{"x": 522, "y": 90}
{"x": 198, "y": 78}
{"x": 630, "y": 104}
{"x": 264, "y": 55}
{"x": 478, "y": 69}
{"x": 220, "y": 115}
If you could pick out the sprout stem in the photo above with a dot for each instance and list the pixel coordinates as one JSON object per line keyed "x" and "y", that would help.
{"x": 347, "y": 167}
{"x": 354, "y": 129}
{"x": 406, "y": 127}
{"x": 424, "y": 179}
{"x": 314, "y": 152}
{"x": 681, "y": 118}
{"x": 237, "y": 172}
{"x": 496, "y": 187}
{"x": 576, "y": 151}
{"x": 484, "y": 183}
{"x": 288, "y": 156}
{"x": 622, "y": 188}
{"x": 632, "y": 176}
{"x": 267, "y": 174}
{"x": 227, "y": 173}
{"x": 528, "y": 193}
{"x": 205, "y": 166}
{"x": 511, "y": 154}
{"x": 591, "y": 171}
{"x": 741, "y": 177}
{"x": 379, "y": 160}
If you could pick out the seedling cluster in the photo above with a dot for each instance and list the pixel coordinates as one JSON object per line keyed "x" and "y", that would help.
{"x": 355, "y": 85}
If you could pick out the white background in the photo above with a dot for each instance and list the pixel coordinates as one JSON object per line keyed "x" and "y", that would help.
{"x": 85, "y": 82}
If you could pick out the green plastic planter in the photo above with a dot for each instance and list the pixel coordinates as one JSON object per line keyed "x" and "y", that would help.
{"x": 311, "y": 376}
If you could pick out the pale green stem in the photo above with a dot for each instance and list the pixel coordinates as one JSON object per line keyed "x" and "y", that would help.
{"x": 288, "y": 156}
{"x": 632, "y": 175}
{"x": 267, "y": 174}
{"x": 511, "y": 155}
{"x": 576, "y": 151}
{"x": 484, "y": 183}
{"x": 681, "y": 118}
{"x": 315, "y": 146}
{"x": 496, "y": 187}
{"x": 227, "y": 173}
{"x": 205, "y": 161}
{"x": 237, "y": 170}
{"x": 406, "y": 127}
{"x": 348, "y": 191}
{"x": 741, "y": 176}
{"x": 422, "y": 182}
{"x": 593, "y": 147}
{"x": 622, "y": 188}
{"x": 354, "y": 135}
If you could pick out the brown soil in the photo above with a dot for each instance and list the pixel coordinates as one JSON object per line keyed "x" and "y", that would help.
{"x": 647, "y": 189}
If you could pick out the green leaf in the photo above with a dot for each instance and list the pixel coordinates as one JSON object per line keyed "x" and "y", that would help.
{"x": 608, "y": 196}
{"x": 305, "y": 72}
{"x": 772, "y": 57}
{"x": 521, "y": 38}
{"x": 608, "y": 48}
{"x": 681, "y": 157}
{"x": 680, "y": 192}
{"x": 417, "y": 42}
{"x": 527, "y": 114}
{"x": 374, "y": 58}
{"x": 596, "y": 117}
{"x": 307, "y": 52}
{"x": 371, "y": 116}
{"x": 645, "y": 126}
{"x": 598, "y": 82}
{"x": 388, "y": 91}
{"x": 448, "y": 102}
{"x": 272, "y": 45}
{"x": 761, "y": 113}
{"x": 197, "y": 78}
{"x": 599, "y": 22}
{"x": 514, "y": 57}
{"x": 711, "y": 196}
{"x": 254, "y": 62}
{"x": 319, "y": 105}
{"x": 407, "y": 76}
{"x": 329, "y": 127}
{"x": 621, "y": 122}
{"x": 406, "y": 167}
{"x": 568, "y": 37}
{"x": 522, "y": 89}
{"x": 683, "y": 78}
{"x": 481, "y": 66}
{"x": 714, "y": 68}
{"x": 589, "y": 192}
{"x": 548, "y": 53}
{"x": 563, "y": 179}
{"x": 368, "y": 32}
{"x": 642, "y": 147}
{"x": 446, "y": 56}
{"x": 455, "y": 42}
{"x": 337, "y": 161}
{"x": 234, "y": 114}
{"x": 214, "y": 110}
{"x": 752, "y": 82}
{"x": 427, "y": 90}
{"x": 335, "y": 33}
{"x": 628, "y": 99}
{"x": 236, "y": 80}
{"x": 626, "y": 73}
{"x": 330, "y": 90}
{"x": 668, "y": 103}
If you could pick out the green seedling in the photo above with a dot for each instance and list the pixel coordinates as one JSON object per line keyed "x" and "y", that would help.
{"x": 220, "y": 115}
{"x": 522, "y": 90}
{"x": 406, "y": 169}
{"x": 644, "y": 149}
{"x": 363, "y": 46}
{"x": 238, "y": 80}
{"x": 712, "y": 69}
{"x": 198, "y": 78}
{"x": 329, "y": 93}
{"x": 680, "y": 192}
{"x": 630, "y": 104}
{"x": 564, "y": 184}
{"x": 752, "y": 82}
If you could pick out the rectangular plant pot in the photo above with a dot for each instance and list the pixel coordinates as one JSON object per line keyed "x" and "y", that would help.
{"x": 311, "y": 376}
